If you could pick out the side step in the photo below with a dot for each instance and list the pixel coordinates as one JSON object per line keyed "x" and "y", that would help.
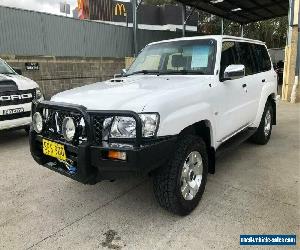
{"x": 235, "y": 141}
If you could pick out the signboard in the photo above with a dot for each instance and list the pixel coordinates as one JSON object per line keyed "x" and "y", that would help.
{"x": 83, "y": 9}
{"x": 32, "y": 66}
{"x": 65, "y": 8}
{"x": 120, "y": 9}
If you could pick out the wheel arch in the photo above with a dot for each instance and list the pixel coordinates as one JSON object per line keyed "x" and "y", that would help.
{"x": 204, "y": 130}
{"x": 265, "y": 98}
{"x": 271, "y": 99}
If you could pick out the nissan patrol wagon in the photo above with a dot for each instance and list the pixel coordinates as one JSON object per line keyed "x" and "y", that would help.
{"x": 16, "y": 95}
{"x": 180, "y": 104}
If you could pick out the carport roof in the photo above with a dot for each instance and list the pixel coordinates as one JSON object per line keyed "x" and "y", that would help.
{"x": 242, "y": 11}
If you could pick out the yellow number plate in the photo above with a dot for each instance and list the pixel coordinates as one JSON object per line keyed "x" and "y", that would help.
{"x": 54, "y": 149}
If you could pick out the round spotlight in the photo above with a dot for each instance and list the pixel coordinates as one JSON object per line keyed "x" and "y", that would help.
{"x": 68, "y": 128}
{"x": 37, "y": 122}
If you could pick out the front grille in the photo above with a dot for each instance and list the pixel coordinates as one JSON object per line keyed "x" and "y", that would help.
{"x": 15, "y": 97}
{"x": 15, "y": 116}
{"x": 91, "y": 126}
{"x": 53, "y": 125}
{"x": 97, "y": 124}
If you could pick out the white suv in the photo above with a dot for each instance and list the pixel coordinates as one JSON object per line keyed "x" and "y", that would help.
{"x": 16, "y": 95}
{"x": 181, "y": 103}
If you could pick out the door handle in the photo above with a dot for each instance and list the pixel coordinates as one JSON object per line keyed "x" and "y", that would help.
{"x": 263, "y": 80}
{"x": 244, "y": 85}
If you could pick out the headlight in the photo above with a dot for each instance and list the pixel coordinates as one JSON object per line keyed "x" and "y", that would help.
{"x": 37, "y": 122}
{"x": 150, "y": 123}
{"x": 38, "y": 94}
{"x": 125, "y": 127}
{"x": 68, "y": 128}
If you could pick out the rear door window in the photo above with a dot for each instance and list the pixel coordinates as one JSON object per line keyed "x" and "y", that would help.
{"x": 262, "y": 57}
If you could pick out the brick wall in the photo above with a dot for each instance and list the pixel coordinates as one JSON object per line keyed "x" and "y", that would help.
{"x": 57, "y": 74}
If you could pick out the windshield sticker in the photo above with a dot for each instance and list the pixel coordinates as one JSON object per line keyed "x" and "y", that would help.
{"x": 200, "y": 57}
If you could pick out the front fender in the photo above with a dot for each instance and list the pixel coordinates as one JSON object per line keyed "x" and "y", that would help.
{"x": 173, "y": 123}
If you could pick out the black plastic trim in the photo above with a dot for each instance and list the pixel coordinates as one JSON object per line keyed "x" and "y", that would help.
{"x": 143, "y": 155}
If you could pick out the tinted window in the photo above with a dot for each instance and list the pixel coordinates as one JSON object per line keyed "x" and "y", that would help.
{"x": 262, "y": 57}
{"x": 246, "y": 58}
{"x": 229, "y": 56}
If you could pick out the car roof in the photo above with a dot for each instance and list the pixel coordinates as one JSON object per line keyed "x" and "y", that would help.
{"x": 216, "y": 37}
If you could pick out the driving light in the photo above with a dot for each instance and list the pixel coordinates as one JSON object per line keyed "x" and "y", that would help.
{"x": 123, "y": 127}
{"x": 37, "y": 122}
{"x": 150, "y": 123}
{"x": 68, "y": 129}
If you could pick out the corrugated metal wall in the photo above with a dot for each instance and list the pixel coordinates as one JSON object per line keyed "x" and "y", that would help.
{"x": 31, "y": 33}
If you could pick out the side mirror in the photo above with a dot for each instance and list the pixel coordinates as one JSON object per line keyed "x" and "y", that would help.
{"x": 124, "y": 71}
{"x": 18, "y": 71}
{"x": 233, "y": 72}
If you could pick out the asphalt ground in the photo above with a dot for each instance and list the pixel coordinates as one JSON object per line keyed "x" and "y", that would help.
{"x": 255, "y": 191}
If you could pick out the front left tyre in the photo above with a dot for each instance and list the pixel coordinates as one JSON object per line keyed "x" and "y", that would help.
{"x": 178, "y": 187}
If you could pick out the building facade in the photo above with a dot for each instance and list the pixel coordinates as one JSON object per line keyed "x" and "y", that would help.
{"x": 101, "y": 10}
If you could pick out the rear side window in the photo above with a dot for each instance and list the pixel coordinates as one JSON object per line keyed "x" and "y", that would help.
{"x": 229, "y": 55}
{"x": 246, "y": 58}
{"x": 262, "y": 57}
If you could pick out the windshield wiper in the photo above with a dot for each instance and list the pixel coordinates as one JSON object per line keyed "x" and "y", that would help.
{"x": 145, "y": 72}
{"x": 183, "y": 72}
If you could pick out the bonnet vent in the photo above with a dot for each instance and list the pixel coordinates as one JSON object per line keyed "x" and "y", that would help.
{"x": 8, "y": 85}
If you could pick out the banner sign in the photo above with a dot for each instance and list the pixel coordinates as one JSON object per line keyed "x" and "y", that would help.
{"x": 32, "y": 66}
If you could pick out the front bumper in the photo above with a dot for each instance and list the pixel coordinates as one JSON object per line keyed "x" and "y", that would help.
{"x": 15, "y": 124}
{"x": 91, "y": 162}
{"x": 93, "y": 165}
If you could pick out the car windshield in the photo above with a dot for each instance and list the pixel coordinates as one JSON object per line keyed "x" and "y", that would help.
{"x": 6, "y": 69}
{"x": 178, "y": 57}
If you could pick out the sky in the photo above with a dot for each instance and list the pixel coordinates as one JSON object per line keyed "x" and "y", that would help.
{"x": 48, "y": 6}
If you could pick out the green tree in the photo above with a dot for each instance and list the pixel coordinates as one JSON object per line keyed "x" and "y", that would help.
{"x": 273, "y": 31}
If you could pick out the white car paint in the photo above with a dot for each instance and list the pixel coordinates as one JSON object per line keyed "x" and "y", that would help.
{"x": 183, "y": 100}
{"x": 23, "y": 83}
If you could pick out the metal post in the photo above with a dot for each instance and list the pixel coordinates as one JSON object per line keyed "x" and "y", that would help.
{"x": 183, "y": 19}
{"x": 66, "y": 7}
{"x": 222, "y": 25}
{"x": 242, "y": 30}
{"x": 135, "y": 26}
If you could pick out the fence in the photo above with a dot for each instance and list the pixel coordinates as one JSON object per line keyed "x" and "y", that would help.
{"x": 24, "y": 32}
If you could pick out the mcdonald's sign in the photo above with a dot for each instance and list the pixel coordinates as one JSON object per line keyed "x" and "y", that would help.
{"x": 120, "y": 10}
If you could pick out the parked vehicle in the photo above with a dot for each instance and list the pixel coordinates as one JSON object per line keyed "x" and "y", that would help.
{"x": 277, "y": 58}
{"x": 180, "y": 104}
{"x": 279, "y": 68}
{"x": 16, "y": 95}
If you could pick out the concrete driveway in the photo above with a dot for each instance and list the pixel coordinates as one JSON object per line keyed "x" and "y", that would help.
{"x": 255, "y": 190}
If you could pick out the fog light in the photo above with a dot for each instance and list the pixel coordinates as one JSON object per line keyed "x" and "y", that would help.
{"x": 117, "y": 155}
{"x": 37, "y": 122}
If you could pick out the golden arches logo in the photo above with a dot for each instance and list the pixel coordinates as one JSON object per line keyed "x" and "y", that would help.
{"x": 120, "y": 10}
